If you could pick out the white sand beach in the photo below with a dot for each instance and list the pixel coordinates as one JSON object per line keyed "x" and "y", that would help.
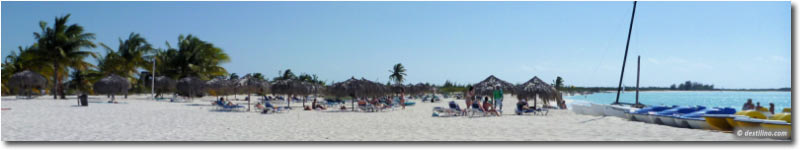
{"x": 141, "y": 119}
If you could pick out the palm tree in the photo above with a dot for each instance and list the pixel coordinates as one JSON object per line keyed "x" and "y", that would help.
{"x": 192, "y": 57}
{"x": 61, "y": 45}
{"x": 285, "y": 75}
{"x": 128, "y": 58}
{"x": 398, "y": 73}
{"x": 258, "y": 76}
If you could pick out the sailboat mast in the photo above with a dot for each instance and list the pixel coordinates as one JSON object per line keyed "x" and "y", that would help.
{"x": 638, "y": 68}
{"x": 622, "y": 73}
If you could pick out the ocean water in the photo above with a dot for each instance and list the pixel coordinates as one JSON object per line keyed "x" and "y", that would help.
{"x": 692, "y": 98}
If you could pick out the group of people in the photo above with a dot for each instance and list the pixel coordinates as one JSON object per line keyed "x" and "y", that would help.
{"x": 490, "y": 106}
{"x": 749, "y": 106}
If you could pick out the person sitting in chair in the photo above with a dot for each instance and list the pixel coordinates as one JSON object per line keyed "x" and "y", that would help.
{"x": 315, "y": 105}
{"x": 487, "y": 107}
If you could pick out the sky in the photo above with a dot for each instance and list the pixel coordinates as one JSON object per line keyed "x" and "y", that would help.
{"x": 728, "y": 44}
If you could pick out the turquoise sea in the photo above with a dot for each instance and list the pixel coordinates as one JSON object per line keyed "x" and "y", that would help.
{"x": 733, "y": 99}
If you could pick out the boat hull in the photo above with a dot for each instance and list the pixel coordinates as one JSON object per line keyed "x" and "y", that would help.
{"x": 618, "y": 111}
{"x": 680, "y": 122}
{"x": 653, "y": 119}
{"x": 698, "y": 124}
{"x": 666, "y": 120}
{"x": 748, "y": 122}
{"x": 640, "y": 117}
{"x": 597, "y": 110}
{"x": 719, "y": 122}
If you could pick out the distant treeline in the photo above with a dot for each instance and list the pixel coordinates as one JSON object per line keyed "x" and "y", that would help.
{"x": 689, "y": 86}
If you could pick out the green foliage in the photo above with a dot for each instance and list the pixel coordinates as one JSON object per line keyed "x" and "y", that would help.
{"x": 559, "y": 84}
{"x": 689, "y": 85}
{"x": 259, "y": 76}
{"x": 398, "y": 73}
{"x": 61, "y": 46}
{"x": 192, "y": 57}
{"x": 284, "y": 75}
{"x": 449, "y": 87}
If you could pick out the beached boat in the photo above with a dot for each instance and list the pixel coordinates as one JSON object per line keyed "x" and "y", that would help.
{"x": 596, "y": 109}
{"x": 579, "y": 107}
{"x": 653, "y": 116}
{"x": 742, "y": 116}
{"x": 617, "y": 110}
{"x": 667, "y": 117}
{"x": 696, "y": 120}
{"x": 642, "y": 114}
{"x": 756, "y": 121}
{"x": 780, "y": 123}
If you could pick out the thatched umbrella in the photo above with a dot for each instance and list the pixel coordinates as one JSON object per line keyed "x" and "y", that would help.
{"x": 421, "y": 88}
{"x": 357, "y": 88}
{"x": 291, "y": 87}
{"x": 112, "y": 84}
{"x": 250, "y": 84}
{"x": 164, "y": 84}
{"x": 190, "y": 86}
{"x": 486, "y": 87}
{"x": 220, "y": 86}
{"x": 537, "y": 88}
{"x": 26, "y": 81}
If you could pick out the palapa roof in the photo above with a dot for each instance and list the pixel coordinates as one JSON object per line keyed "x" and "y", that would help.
{"x": 251, "y": 84}
{"x": 220, "y": 85}
{"x": 112, "y": 84}
{"x": 358, "y": 87}
{"x": 536, "y": 87}
{"x": 190, "y": 86}
{"x": 27, "y": 79}
{"x": 486, "y": 87}
{"x": 293, "y": 87}
{"x": 164, "y": 83}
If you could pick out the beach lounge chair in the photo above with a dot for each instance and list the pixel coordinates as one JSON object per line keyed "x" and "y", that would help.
{"x": 269, "y": 108}
{"x": 225, "y": 107}
{"x": 476, "y": 111}
{"x": 542, "y": 111}
{"x": 452, "y": 110}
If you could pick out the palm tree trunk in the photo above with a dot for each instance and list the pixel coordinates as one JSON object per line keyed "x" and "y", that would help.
{"x": 289, "y": 101}
{"x": 55, "y": 80}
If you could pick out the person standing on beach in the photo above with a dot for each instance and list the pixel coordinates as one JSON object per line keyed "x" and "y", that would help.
{"x": 470, "y": 97}
{"x": 403, "y": 97}
{"x": 497, "y": 96}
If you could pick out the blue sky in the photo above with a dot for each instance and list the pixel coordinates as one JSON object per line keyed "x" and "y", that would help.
{"x": 728, "y": 44}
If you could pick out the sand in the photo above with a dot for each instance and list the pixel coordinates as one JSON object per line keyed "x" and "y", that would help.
{"x": 141, "y": 119}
